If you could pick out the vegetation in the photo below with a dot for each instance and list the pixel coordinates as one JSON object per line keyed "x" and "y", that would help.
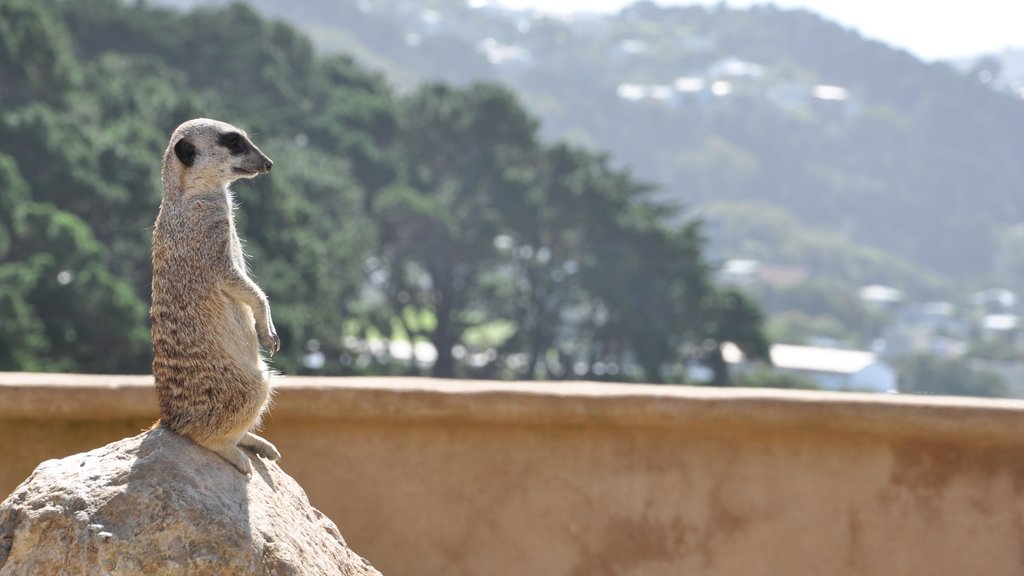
{"x": 436, "y": 216}
{"x": 834, "y": 161}
{"x": 902, "y": 173}
{"x": 921, "y": 374}
{"x": 765, "y": 377}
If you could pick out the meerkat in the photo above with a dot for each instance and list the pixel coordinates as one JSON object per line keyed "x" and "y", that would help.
{"x": 209, "y": 318}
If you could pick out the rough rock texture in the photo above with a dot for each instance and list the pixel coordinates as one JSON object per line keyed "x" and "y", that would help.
{"x": 158, "y": 504}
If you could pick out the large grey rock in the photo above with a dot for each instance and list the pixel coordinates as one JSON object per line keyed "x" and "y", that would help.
{"x": 158, "y": 504}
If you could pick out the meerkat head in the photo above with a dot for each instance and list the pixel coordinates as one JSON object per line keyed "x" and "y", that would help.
{"x": 205, "y": 154}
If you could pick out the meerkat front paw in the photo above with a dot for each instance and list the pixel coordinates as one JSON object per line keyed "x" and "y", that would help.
{"x": 269, "y": 339}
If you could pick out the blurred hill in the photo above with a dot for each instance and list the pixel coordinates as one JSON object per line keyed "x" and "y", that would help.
{"x": 846, "y": 135}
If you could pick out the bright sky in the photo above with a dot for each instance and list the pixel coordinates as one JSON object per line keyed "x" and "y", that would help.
{"x": 931, "y": 29}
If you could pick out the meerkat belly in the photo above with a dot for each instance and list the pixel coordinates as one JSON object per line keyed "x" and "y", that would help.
{"x": 236, "y": 328}
{"x": 232, "y": 385}
{"x": 239, "y": 336}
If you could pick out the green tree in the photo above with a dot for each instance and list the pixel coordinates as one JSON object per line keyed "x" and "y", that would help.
{"x": 922, "y": 374}
{"x": 308, "y": 239}
{"x": 436, "y": 216}
{"x": 62, "y": 309}
{"x": 766, "y": 377}
{"x": 731, "y": 316}
{"x": 465, "y": 154}
{"x": 36, "y": 59}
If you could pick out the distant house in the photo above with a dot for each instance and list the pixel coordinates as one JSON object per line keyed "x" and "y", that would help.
{"x": 881, "y": 296}
{"x": 745, "y": 272}
{"x": 739, "y": 272}
{"x": 504, "y": 54}
{"x": 661, "y": 93}
{"x": 830, "y": 93}
{"x": 829, "y": 368}
{"x": 733, "y": 67}
{"x": 931, "y": 328}
{"x": 632, "y": 47}
{"x": 995, "y": 299}
{"x": 733, "y": 75}
{"x": 995, "y": 324}
{"x": 690, "y": 84}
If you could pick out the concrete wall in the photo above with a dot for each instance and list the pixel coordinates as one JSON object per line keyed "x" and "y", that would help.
{"x": 429, "y": 477}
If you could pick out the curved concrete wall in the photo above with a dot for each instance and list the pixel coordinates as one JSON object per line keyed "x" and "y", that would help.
{"x": 428, "y": 477}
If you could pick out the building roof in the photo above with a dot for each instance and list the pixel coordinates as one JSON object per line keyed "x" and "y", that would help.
{"x": 881, "y": 294}
{"x": 1000, "y": 322}
{"x": 809, "y": 358}
{"x": 821, "y": 359}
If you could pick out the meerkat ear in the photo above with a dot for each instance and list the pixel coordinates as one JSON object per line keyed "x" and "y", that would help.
{"x": 185, "y": 152}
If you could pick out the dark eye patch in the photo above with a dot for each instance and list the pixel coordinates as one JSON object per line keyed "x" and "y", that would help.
{"x": 233, "y": 141}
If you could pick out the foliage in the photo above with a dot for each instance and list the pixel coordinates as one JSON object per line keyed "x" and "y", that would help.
{"x": 921, "y": 374}
{"x": 795, "y": 327}
{"x": 914, "y": 172}
{"x": 821, "y": 307}
{"x": 35, "y": 58}
{"x": 308, "y": 237}
{"x": 772, "y": 234}
{"x": 765, "y": 377}
{"x": 489, "y": 225}
{"x": 57, "y": 299}
{"x": 438, "y": 216}
{"x": 999, "y": 347}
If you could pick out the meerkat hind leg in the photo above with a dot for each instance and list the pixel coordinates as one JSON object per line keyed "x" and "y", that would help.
{"x": 259, "y": 445}
{"x": 234, "y": 456}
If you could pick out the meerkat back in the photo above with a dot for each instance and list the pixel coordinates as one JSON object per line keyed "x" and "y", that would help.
{"x": 209, "y": 318}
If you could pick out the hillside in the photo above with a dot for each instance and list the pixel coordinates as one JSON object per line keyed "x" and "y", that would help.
{"x": 773, "y": 106}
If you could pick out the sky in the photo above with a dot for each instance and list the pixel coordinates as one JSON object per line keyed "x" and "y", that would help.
{"x": 930, "y": 29}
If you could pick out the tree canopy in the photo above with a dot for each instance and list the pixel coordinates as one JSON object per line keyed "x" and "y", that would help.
{"x": 435, "y": 222}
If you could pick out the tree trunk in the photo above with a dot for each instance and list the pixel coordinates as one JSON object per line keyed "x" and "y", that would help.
{"x": 442, "y": 340}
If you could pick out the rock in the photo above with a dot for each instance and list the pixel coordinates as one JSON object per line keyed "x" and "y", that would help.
{"x": 159, "y": 504}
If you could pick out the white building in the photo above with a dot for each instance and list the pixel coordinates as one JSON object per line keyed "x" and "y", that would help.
{"x": 829, "y": 368}
{"x": 881, "y": 296}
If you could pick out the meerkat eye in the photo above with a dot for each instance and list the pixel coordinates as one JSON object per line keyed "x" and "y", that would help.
{"x": 233, "y": 142}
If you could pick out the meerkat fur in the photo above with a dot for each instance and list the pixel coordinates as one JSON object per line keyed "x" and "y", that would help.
{"x": 209, "y": 318}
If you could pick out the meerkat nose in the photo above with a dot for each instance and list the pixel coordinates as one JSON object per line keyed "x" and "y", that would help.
{"x": 268, "y": 165}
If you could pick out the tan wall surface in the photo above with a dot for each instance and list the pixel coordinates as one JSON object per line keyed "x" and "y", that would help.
{"x": 428, "y": 477}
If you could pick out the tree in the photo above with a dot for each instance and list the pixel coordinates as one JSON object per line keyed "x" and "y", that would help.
{"x": 308, "y": 240}
{"x": 437, "y": 216}
{"x": 36, "y": 60}
{"x": 61, "y": 308}
{"x": 465, "y": 154}
{"x": 922, "y": 374}
{"x": 766, "y": 377}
